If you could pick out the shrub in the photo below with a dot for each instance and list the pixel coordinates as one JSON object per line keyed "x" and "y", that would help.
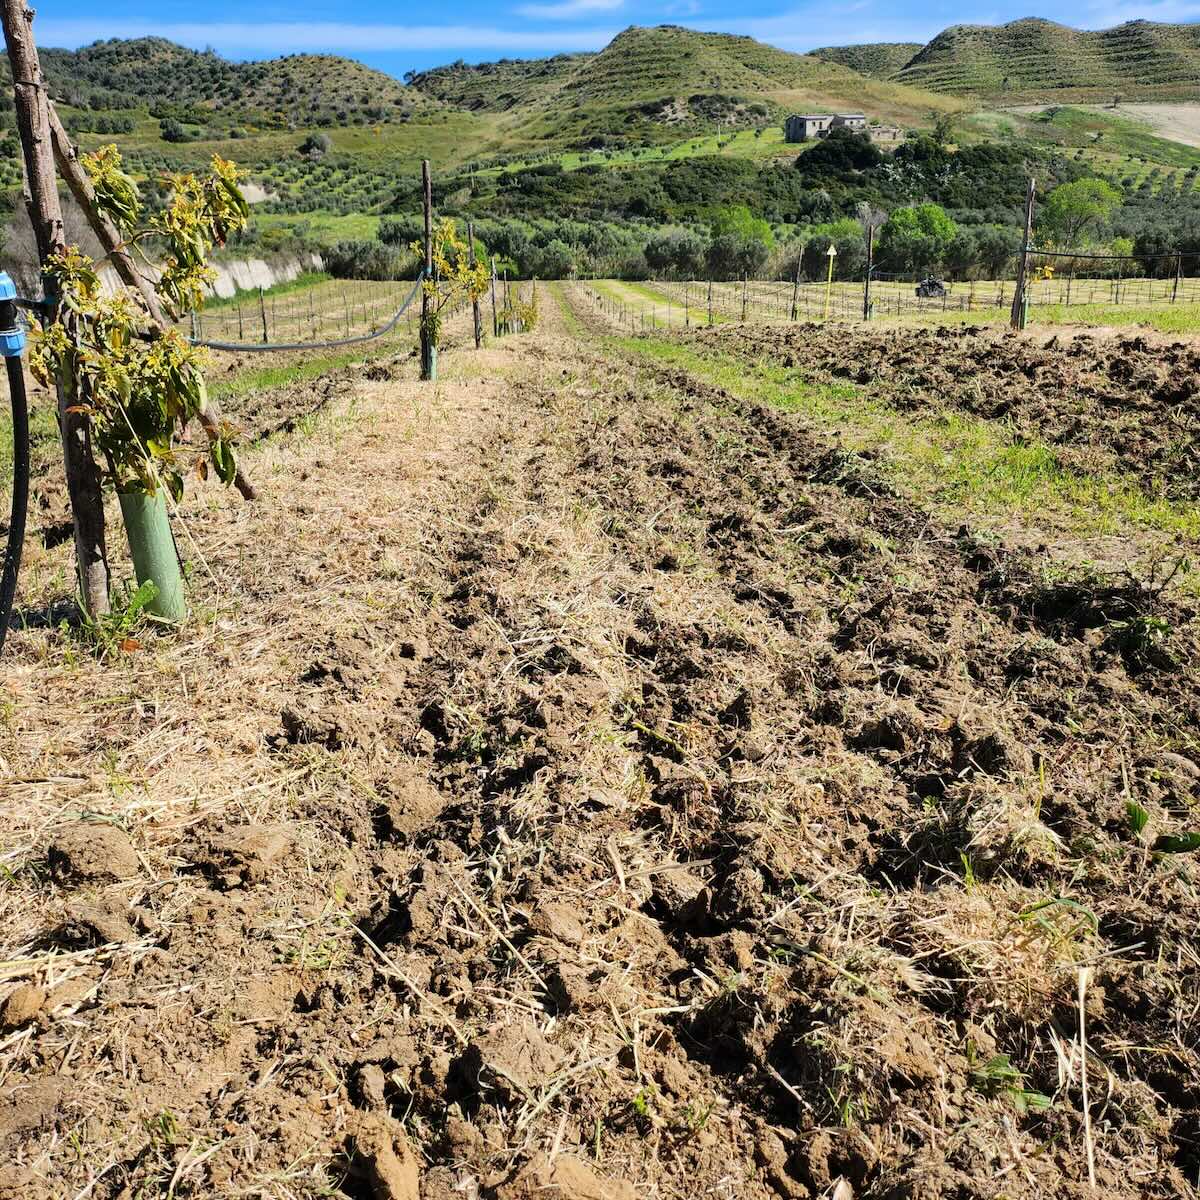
{"x": 360, "y": 259}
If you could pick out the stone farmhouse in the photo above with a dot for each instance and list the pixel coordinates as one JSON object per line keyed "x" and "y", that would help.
{"x": 801, "y": 127}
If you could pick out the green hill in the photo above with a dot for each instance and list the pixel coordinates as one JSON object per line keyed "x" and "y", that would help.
{"x": 301, "y": 89}
{"x": 1034, "y": 59}
{"x": 878, "y": 60}
{"x": 653, "y": 85}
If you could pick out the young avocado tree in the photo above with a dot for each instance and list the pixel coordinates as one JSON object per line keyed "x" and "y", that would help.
{"x": 456, "y": 278}
{"x": 140, "y": 385}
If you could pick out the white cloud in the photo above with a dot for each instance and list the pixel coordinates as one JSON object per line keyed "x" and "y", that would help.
{"x": 1106, "y": 15}
{"x": 327, "y": 37}
{"x": 567, "y": 10}
{"x": 805, "y": 29}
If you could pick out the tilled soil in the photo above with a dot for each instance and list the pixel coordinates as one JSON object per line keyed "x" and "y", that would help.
{"x": 1125, "y": 402}
{"x": 592, "y": 785}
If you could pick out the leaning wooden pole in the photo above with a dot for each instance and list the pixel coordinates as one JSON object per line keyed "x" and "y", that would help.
{"x": 1018, "y": 316}
{"x": 45, "y": 213}
{"x": 81, "y": 188}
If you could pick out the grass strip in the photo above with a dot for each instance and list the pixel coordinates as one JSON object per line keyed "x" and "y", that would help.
{"x": 954, "y": 462}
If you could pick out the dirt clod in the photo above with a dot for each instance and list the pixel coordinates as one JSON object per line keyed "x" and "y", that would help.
{"x": 245, "y": 855}
{"x": 566, "y": 1178}
{"x": 384, "y": 1158}
{"x": 92, "y": 853}
{"x": 21, "y": 1005}
{"x": 97, "y": 924}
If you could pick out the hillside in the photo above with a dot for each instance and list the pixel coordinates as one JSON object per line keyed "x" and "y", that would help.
{"x": 301, "y": 89}
{"x": 878, "y": 60}
{"x": 1038, "y": 59}
{"x": 652, "y": 85}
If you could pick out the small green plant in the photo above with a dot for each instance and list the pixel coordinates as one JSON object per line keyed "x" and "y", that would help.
{"x": 114, "y": 631}
{"x": 996, "y": 1076}
{"x": 1177, "y": 843}
{"x": 520, "y": 314}
{"x": 141, "y": 385}
{"x": 643, "y": 1101}
{"x": 1137, "y": 817}
{"x": 455, "y": 278}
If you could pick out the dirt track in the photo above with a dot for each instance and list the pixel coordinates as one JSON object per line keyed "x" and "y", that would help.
{"x": 585, "y": 784}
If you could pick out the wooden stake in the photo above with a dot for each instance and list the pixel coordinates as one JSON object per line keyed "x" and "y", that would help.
{"x": 478, "y": 316}
{"x": 428, "y": 366}
{"x": 1018, "y": 305}
{"x": 796, "y": 282}
{"x": 495, "y": 317}
{"x": 45, "y": 213}
{"x": 870, "y": 268}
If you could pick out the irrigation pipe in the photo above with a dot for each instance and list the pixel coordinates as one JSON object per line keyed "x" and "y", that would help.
{"x": 12, "y": 344}
{"x": 269, "y": 347}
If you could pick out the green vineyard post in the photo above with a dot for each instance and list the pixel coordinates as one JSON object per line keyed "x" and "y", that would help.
{"x": 262, "y": 312}
{"x": 1178, "y": 273}
{"x": 152, "y": 548}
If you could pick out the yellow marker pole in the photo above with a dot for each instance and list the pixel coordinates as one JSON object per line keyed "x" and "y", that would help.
{"x": 832, "y": 252}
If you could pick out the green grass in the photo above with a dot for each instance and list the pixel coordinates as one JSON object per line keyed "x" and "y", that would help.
{"x": 952, "y": 462}
{"x": 43, "y": 442}
{"x": 1178, "y": 318}
{"x": 570, "y": 320}
{"x": 319, "y": 226}
{"x": 302, "y": 282}
{"x": 264, "y": 378}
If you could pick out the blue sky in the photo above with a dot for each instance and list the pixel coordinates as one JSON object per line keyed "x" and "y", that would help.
{"x": 400, "y": 37}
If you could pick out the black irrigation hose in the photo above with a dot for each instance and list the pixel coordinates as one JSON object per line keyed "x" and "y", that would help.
{"x": 20, "y": 492}
{"x": 267, "y": 347}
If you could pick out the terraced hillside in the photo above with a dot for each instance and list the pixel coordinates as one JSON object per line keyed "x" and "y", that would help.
{"x": 1034, "y": 58}
{"x": 879, "y": 60}
{"x": 654, "y": 83}
{"x": 307, "y": 89}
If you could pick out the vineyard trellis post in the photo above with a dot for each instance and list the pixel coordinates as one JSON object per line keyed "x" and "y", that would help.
{"x": 745, "y": 289}
{"x": 45, "y": 214}
{"x": 428, "y": 362}
{"x": 710, "y": 315}
{"x": 478, "y": 316}
{"x": 262, "y": 312}
{"x": 796, "y": 282}
{"x": 1178, "y": 273}
{"x": 870, "y": 268}
{"x": 1020, "y": 308}
{"x": 832, "y": 254}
